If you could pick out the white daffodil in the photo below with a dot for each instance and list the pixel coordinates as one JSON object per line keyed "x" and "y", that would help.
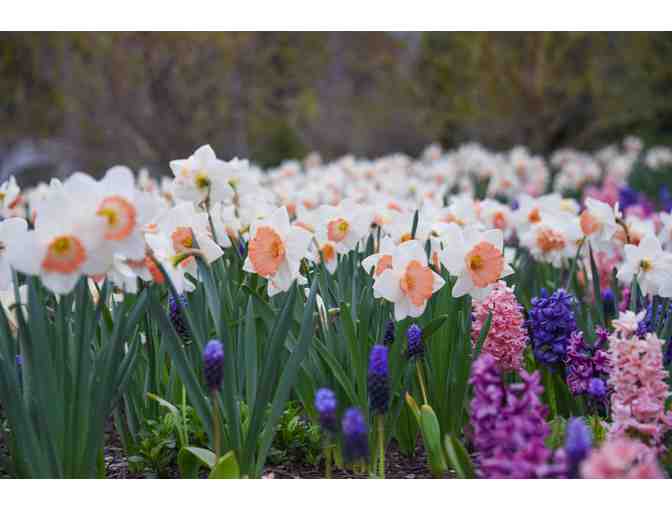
{"x": 598, "y": 221}
{"x": 65, "y": 244}
{"x": 275, "y": 251}
{"x": 650, "y": 264}
{"x": 173, "y": 245}
{"x": 202, "y": 175}
{"x": 409, "y": 282}
{"x": 554, "y": 239}
{"x": 476, "y": 258}
{"x": 10, "y": 197}
{"x": 345, "y": 225}
{"x": 10, "y": 230}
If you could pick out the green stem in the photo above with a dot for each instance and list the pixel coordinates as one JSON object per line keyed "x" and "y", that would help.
{"x": 217, "y": 440}
{"x": 421, "y": 380}
{"x": 327, "y": 462}
{"x": 185, "y": 434}
{"x": 381, "y": 445}
{"x": 550, "y": 389}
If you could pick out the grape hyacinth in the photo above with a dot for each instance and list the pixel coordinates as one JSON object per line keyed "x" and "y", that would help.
{"x": 176, "y": 316}
{"x": 597, "y": 389}
{"x": 355, "y": 435}
{"x": 638, "y": 383}
{"x": 388, "y": 336}
{"x": 608, "y": 302}
{"x": 378, "y": 380}
{"x": 507, "y": 336}
{"x": 551, "y": 322}
{"x": 653, "y": 317}
{"x": 621, "y": 458}
{"x": 416, "y": 347}
{"x": 509, "y": 425}
{"x": 578, "y": 442}
{"x": 585, "y": 363}
{"x": 213, "y": 364}
{"x": 326, "y": 405}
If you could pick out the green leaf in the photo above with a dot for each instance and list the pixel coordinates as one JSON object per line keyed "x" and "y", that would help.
{"x": 431, "y": 435}
{"x": 483, "y": 335}
{"x": 433, "y": 326}
{"x": 164, "y": 403}
{"x": 459, "y": 458}
{"x": 226, "y": 468}
{"x": 202, "y": 455}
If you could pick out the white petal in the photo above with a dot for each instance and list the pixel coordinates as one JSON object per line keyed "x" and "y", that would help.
{"x": 387, "y": 286}
{"x": 463, "y": 285}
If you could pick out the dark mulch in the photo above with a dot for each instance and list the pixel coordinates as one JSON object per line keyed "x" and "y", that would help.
{"x": 397, "y": 466}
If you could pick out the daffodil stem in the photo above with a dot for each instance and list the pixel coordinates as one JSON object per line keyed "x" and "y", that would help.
{"x": 421, "y": 380}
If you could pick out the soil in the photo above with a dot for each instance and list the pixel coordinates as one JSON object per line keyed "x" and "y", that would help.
{"x": 397, "y": 466}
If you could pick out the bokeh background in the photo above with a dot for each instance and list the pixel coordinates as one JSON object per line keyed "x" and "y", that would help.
{"x": 87, "y": 101}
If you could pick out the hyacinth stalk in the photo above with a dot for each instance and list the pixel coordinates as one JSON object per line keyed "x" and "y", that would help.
{"x": 379, "y": 397}
{"x": 416, "y": 351}
{"x": 213, "y": 363}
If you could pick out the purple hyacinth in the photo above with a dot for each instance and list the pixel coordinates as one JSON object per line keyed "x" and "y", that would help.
{"x": 326, "y": 405}
{"x": 388, "y": 336}
{"x": 654, "y": 317}
{"x": 509, "y": 425}
{"x": 176, "y": 316}
{"x": 213, "y": 364}
{"x": 378, "y": 380}
{"x": 551, "y": 322}
{"x": 627, "y": 197}
{"x": 416, "y": 347}
{"x": 608, "y": 302}
{"x": 578, "y": 442}
{"x": 597, "y": 389}
{"x": 585, "y": 362}
{"x": 355, "y": 435}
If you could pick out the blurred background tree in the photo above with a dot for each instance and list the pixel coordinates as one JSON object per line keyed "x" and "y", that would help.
{"x": 86, "y": 101}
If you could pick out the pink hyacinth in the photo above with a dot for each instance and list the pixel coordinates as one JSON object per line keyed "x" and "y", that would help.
{"x": 622, "y": 458}
{"x": 608, "y": 193}
{"x": 638, "y": 383}
{"x": 507, "y": 337}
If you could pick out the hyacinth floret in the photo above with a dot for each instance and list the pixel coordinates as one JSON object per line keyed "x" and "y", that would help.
{"x": 416, "y": 347}
{"x": 388, "y": 335}
{"x": 326, "y": 405}
{"x": 213, "y": 364}
{"x": 550, "y": 324}
{"x": 638, "y": 384}
{"x": 578, "y": 443}
{"x": 621, "y": 458}
{"x": 507, "y": 336}
{"x": 509, "y": 425}
{"x": 378, "y": 380}
{"x": 585, "y": 363}
{"x": 176, "y": 315}
{"x": 355, "y": 435}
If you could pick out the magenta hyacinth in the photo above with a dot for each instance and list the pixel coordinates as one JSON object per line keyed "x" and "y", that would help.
{"x": 586, "y": 364}
{"x": 509, "y": 425}
{"x": 507, "y": 336}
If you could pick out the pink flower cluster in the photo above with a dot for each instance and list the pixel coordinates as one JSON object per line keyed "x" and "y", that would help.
{"x": 639, "y": 388}
{"x": 621, "y": 458}
{"x": 507, "y": 337}
{"x": 607, "y": 193}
